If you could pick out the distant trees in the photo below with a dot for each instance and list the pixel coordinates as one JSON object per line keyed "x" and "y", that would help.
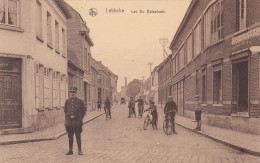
{"x": 133, "y": 88}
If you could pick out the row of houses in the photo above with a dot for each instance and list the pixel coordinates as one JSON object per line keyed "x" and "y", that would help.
{"x": 45, "y": 48}
{"x": 216, "y": 55}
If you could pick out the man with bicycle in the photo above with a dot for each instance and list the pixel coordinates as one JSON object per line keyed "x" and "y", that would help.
{"x": 131, "y": 106}
{"x": 169, "y": 110}
{"x": 140, "y": 106}
{"x": 154, "y": 114}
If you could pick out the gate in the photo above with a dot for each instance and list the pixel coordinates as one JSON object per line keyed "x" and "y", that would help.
{"x": 10, "y": 93}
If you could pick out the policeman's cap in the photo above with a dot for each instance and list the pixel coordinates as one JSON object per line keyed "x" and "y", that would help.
{"x": 73, "y": 89}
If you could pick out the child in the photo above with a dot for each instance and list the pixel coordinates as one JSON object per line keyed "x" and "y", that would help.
{"x": 154, "y": 113}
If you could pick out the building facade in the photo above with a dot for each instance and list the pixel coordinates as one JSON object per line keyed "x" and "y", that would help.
{"x": 33, "y": 63}
{"x": 79, "y": 54}
{"x": 104, "y": 83}
{"x": 215, "y": 54}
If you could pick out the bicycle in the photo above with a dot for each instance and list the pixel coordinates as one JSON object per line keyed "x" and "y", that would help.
{"x": 167, "y": 124}
{"x": 148, "y": 121}
{"x": 107, "y": 113}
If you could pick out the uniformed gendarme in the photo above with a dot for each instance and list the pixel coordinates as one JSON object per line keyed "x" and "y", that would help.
{"x": 75, "y": 111}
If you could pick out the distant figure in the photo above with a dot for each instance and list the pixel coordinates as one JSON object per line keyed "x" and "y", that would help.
{"x": 99, "y": 105}
{"x": 171, "y": 109}
{"x": 75, "y": 111}
{"x": 198, "y": 113}
{"x": 107, "y": 105}
{"x": 131, "y": 105}
{"x": 140, "y": 106}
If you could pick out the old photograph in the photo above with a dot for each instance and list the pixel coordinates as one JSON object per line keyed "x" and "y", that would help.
{"x": 130, "y": 81}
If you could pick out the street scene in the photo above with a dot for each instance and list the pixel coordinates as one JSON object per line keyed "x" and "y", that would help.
{"x": 130, "y": 81}
{"x": 123, "y": 139}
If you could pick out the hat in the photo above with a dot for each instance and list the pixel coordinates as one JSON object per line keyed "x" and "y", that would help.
{"x": 73, "y": 89}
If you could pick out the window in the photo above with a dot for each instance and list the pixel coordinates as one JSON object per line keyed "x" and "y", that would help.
{"x": 46, "y": 88}
{"x": 189, "y": 48}
{"x": 39, "y": 87}
{"x": 63, "y": 43}
{"x": 173, "y": 66}
{"x": 55, "y": 90}
{"x": 39, "y": 19}
{"x": 57, "y": 37}
{"x": 49, "y": 31}
{"x": 217, "y": 85}
{"x": 197, "y": 39}
{"x": 62, "y": 90}
{"x": 204, "y": 86}
{"x": 242, "y": 13}
{"x": 181, "y": 58}
{"x": 197, "y": 82}
{"x": 213, "y": 23}
{"x": 85, "y": 58}
{"x": 9, "y": 12}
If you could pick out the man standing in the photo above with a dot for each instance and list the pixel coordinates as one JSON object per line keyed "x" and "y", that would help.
{"x": 140, "y": 106}
{"x": 75, "y": 111}
{"x": 107, "y": 107}
{"x": 170, "y": 109}
{"x": 131, "y": 105}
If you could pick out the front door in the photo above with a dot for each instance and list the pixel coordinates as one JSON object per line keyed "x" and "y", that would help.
{"x": 10, "y": 93}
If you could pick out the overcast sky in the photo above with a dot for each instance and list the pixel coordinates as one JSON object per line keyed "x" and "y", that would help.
{"x": 127, "y": 42}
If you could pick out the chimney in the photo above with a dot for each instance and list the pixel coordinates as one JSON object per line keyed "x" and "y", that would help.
{"x": 125, "y": 81}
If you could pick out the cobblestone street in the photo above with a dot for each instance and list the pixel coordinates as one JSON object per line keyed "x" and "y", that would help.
{"x": 123, "y": 139}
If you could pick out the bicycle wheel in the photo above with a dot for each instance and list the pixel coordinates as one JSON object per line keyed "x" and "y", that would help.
{"x": 167, "y": 127}
{"x": 146, "y": 122}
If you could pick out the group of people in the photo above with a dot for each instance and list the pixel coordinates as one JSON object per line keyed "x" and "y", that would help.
{"x": 75, "y": 111}
{"x": 170, "y": 109}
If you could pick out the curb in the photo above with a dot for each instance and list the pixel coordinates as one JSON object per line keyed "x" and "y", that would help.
{"x": 242, "y": 149}
{"x": 44, "y": 139}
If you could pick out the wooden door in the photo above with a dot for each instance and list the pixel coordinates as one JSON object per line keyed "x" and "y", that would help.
{"x": 10, "y": 93}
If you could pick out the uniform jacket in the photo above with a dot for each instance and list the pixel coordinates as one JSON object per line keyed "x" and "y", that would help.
{"x": 170, "y": 106}
{"x": 75, "y": 111}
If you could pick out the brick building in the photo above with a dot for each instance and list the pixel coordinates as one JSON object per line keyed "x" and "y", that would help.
{"x": 79, "y": 54}
{"x": 33, "y": 63}
{"x": 216, "y": 54}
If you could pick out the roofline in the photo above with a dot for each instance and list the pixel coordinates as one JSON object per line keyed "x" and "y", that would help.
{"x": 184, "y": 20}
{"x": 62, "y": 5}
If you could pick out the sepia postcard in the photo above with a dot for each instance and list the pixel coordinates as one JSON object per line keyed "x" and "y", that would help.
{"x": 130, "y": 81}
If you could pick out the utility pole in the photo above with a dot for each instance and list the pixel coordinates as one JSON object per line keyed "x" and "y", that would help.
{"x": 150, "y": 64}
{"x": 163, "y": 41}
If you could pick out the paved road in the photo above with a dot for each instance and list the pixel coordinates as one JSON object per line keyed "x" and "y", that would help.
{"x": 124, "y": 140}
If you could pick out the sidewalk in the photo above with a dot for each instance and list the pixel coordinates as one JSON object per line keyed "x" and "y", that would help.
{"x": 50, "y": 133}
{"x": 245, "y": 142}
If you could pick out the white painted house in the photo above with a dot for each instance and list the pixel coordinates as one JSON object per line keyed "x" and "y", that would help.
{"x": 33, "y": 63}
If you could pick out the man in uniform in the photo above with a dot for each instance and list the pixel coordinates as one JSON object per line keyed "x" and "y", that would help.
{"x": 170, "y": 109}
{"x": 75, "y": 111}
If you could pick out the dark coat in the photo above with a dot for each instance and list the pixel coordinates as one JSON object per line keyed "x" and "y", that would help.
{"x": 75, "y": 111}
{"x": 140, "y": 102}
{"x": 170, "y": 106}
{"x": 131, "y": 104}
{"x": 107, "y": 104}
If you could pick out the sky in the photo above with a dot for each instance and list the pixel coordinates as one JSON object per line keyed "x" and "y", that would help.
{"x": 126, "y": 42}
